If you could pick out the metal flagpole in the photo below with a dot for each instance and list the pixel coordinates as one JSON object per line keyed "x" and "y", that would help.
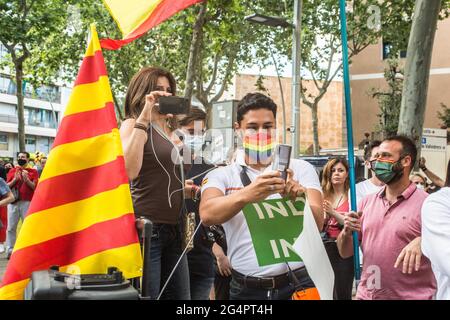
{"x": 351, "y": 153}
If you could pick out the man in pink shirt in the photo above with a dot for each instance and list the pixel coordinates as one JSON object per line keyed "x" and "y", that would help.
{"x": 389, "y": 223}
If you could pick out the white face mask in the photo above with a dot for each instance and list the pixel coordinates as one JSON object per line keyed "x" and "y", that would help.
{"x": 420, "y": 186}
{"x": 194, "y": 142}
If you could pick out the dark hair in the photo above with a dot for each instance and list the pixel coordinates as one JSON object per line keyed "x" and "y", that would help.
{"x": 447, "y": 181}
{"x": 25, "y": 153}
{"x": 408, "y": 147}
{"x": 254, "y": 101}
{"x": 195, "y": 114}
{"x": 142, "y": 83}
{"x": 368, "y": 149}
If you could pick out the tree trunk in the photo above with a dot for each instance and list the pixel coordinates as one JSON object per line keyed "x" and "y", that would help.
{"x": 208, "y": 109}
{"x": 417, "y": 69}
{"x": 118, "y": 108}
{"x": 20, "y": 105}
{"x": 194, "y": 50}
{"x": 315, "y": 124}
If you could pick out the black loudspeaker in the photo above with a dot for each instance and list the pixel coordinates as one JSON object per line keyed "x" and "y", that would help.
{"x": 55, "y": 285}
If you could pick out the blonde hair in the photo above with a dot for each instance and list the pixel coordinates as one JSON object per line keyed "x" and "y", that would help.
{"x": 417, "y": 174}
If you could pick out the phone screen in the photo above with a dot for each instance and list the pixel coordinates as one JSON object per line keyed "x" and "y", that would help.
{"x": 282, "y": 159}
{"x": 173, "y": 105}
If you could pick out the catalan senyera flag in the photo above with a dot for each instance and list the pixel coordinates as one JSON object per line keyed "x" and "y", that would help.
{"x": 81, "y": 217}
{"x": 136, "y": 17}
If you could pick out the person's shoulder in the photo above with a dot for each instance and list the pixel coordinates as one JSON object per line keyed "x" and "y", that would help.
{"x": 302, "y": 166}
{"x": 420, "y": 195}
{"x": 440, "y": 197}
{"x": 436, "y": 207}
{"x": 370, "y": 198}
{"x": 32, "y": 170}
{"x": 11, "y": 172}
{"x": 223, "y": 171}
{"x": 363, "y": 184}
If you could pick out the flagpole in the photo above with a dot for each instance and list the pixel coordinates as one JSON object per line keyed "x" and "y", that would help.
{"x": 351, "y": 153}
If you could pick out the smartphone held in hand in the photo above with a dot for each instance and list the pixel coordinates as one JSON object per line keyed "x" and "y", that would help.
{"x": 282, "y": 159}
{"x": 174, "y": 105}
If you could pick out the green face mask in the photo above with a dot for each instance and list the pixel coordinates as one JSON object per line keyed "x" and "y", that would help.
{"x": 387, "y": 171}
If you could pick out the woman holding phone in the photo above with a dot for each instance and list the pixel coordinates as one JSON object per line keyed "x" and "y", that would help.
{"x": 151, "y": 152}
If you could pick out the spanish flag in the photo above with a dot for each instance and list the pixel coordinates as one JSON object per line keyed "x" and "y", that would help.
{"x": 136, "y": 17}
{"x": 81, "y": 216}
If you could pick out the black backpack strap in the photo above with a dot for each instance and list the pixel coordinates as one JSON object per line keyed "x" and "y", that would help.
{"x": 244, "y": 177}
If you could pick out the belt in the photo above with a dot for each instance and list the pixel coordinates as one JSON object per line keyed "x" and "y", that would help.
{"x": 276, "y": 282}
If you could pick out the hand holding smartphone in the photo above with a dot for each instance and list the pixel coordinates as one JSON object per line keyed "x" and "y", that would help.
{"x": 281, "y": 160}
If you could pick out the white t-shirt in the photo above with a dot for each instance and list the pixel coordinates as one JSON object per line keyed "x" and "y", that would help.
{"x": 365, "y": 188}
{"x": 240, "y": 247}
{"x": 436, "y": 238}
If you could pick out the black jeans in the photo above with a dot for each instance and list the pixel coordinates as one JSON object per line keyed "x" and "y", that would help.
{"x": 343, "y": 272}
{"x": 222, "y": 287}
{"x": 166, "y": 249}
{"x": 239, "y": 292}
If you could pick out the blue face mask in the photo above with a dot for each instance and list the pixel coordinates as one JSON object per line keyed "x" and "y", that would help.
{"x": 193, "y": 142}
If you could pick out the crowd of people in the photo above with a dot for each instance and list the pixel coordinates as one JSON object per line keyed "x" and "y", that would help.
{"x": 404, "y": 233}
{"x": 17, "y": 185}
{"x": 169, "y": 180}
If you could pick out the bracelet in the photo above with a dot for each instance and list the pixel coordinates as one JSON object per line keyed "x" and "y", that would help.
{"x": 424, "y": 169}
{"x": 141, "y": 126}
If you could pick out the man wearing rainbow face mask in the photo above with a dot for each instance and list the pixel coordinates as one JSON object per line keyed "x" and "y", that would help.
{"x": 224, "y": 195}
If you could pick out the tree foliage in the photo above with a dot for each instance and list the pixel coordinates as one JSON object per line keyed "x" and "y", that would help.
{"x": 444, "y": 116}
{"x": 33, "y": 33}
{"x": 390, "y": 100}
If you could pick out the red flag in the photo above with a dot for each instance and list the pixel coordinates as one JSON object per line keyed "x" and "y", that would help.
{"x": 136, "y": 17}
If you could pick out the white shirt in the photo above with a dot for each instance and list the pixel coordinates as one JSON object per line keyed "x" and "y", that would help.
{"x": 436, "y": 238}
{"x": 365, "y": 188}
{"x": 240, "y": 247}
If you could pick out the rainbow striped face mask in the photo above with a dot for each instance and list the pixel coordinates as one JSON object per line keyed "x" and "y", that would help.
{"x": 258, "y": 147}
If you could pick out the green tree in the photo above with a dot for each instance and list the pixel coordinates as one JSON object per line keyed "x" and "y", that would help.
{"x": 321, "y": 47}
{"x": 203, "y": 46}
{"x": 27, "y": 29}
{"x": 417, "y": 69}
{"x": 444, "y": 116}
{"x": 390, "y": 100}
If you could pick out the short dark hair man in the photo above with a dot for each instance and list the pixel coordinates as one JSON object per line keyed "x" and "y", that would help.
{"x": 224, "y": 195}
{"x": 22, "y": 180}
{"x": 373, "y": 184}
{"x": 389, "y": 223}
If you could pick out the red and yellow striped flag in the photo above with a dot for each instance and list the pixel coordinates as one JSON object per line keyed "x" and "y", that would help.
{"x": 81, "y": 216}
{"x": 136, "y": 17}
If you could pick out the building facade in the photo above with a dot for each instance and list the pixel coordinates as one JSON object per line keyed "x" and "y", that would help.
{"x": 367, "y": 73}
{"x": 331, "y": 111}
{"x": 43, "y": 111}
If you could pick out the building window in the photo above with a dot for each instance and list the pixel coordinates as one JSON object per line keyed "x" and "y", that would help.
{"x": 40, "y": 118}
{"x": 3, "y": 141}
{"x": 7, "y": 85}
{"x": 43, "y": 144}
{"x": 45, "y": 92}
{"x": 30, "y": 144}
{"x": 388, "y": 51}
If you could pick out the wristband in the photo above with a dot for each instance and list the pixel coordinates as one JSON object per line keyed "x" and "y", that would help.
{"x": 141, "y": 126}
